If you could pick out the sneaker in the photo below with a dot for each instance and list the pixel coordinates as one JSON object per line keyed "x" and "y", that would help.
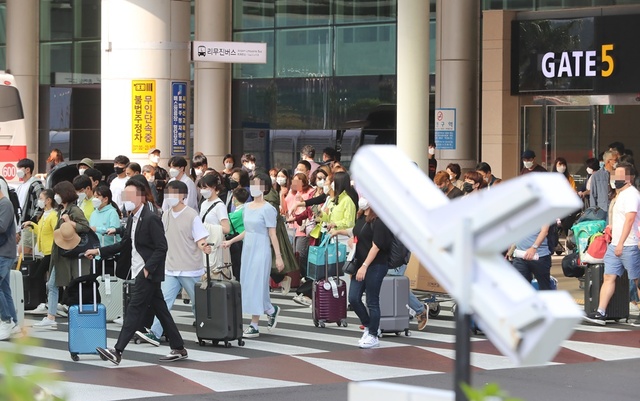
{"x": 272, "y": 319}
{"x": 250, "y": 332}
{"x": 110, "y": 354}
{"x": 423, "y": 319}
{"x": 41, "y": 309}
{"x": 46, "y": 323}
{"x": 148, "y": 337}
{"x": 119, "y": 320}
{"x": 370, "y": 342}
{"x": 636, "y": 323}
{"x": 364, "y": 336}
{"x": 5, "y": 329}
{"x": 285, "y": 285}
{"x": 16, "y": 331}
{"x": 633, "y": 308}
{"x": 175, "y": 355}
{"x": 302, "y": 300}
{"x": 62, "y": 311}
{"x": 596, "y": 318}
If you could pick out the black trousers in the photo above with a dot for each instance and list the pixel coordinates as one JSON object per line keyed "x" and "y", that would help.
{"x": 145, "y": 295}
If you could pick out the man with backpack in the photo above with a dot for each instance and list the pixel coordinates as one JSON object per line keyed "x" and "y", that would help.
{"x": 28, "y": 193}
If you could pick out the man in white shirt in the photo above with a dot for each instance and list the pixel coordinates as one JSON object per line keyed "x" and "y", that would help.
{"x": 622, "y": 253}
{"x": 177, "y": 169}
{"x": 117, "y": 183}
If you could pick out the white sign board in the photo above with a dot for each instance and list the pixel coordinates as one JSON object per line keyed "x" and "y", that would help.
{"x": 229, "y": 52}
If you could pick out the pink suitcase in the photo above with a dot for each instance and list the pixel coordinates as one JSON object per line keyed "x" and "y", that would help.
{"x": 329, "y": 297}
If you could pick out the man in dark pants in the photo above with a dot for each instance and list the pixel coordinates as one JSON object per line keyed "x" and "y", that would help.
{"x": 142, "y": 250}
{"x": 532, "y": 258}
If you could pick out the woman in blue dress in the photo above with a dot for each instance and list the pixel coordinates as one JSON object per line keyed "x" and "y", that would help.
{"x": 259, "y": 236}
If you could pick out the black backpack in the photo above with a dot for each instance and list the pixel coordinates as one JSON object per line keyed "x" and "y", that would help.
{"x": 398, "y": 254}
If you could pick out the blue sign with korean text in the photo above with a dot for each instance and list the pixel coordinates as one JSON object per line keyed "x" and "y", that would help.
{"x": 445, "y": 127}
{"x": 178, "y": 119}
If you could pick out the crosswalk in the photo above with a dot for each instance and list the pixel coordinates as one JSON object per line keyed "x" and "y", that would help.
{"x": 295, "y": 354}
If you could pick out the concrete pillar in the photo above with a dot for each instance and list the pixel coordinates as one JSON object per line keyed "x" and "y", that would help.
{"x": 500, "y": 110}
{"x": 457, "y": 76}
{"x": 23, "y": 28}
{"x": 413, "y": 80}
{"x": 141, "y": 40}
{"x": 212, "y": 84}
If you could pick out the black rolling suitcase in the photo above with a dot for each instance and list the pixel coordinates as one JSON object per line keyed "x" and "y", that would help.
{"x": 218, "y": 311}
{"x": 618, "y": 307}
{"x": 35, "y": 286}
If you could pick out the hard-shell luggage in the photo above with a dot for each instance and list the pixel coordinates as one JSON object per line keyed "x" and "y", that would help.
{"x": 87, "y": 322}
{"x": 218, "y": 311}
{"x": 17, "y": 293}
{"x": 329, "y": 299}
{"x": 35, "y": 287}
{"x": 618, "y": 307}
{"x": 394, "y": 305}
{"x": 111, "y": 288}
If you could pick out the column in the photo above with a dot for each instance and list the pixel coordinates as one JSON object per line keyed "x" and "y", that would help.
{"x": 500, "y": 110}
{"x": 457, "y": 76}
{"x": 413, "y": 80}
{"x": 23, "y": 28}
{"x": 141, "y": 40}
{"x": 212, "y": 84}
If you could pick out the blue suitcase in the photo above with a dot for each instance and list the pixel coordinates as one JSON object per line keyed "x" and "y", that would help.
{"x": 87, "y": 323}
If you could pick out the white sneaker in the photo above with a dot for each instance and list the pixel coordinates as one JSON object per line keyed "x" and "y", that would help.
{"x": 5, "y": 329}
{"x": 119, "y": 320}
{"x": 370, "y": 342}
{"x": 16, "y": 331}
{"x": 39, "y": 310}
{"x": 365, "y": 334}
{"x": 46, "y": 323}
{"x": 633, "y": 308}
{"x": 285, "y": 285}
{"x": 63, "y": 310}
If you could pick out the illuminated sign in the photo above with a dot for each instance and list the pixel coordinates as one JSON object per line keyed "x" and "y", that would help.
{"x": 143, "y": 113}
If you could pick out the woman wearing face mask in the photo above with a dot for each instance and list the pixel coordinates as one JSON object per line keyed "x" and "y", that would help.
{"x": 560, "y": 166}
{"x": 283, "y": 187}
{"x": 259, "y": 239}
{"x": 229, "y": 162}
{"x": 44, "y": 231}
{"x": 473, "y": 181}
{"x": 106, "y": 215}
{"x": 299, "y": 216}
{"x": 213, "y": 210}
{"x": 63, "y": 269}
{"x": 454, "y": 175}
{"x": 592, "y": 165}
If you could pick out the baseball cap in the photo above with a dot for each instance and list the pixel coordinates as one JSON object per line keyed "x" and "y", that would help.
{"x": 86, "y": 161}
{"x": 528, "y": 154}
{"x": 153, "y": 150}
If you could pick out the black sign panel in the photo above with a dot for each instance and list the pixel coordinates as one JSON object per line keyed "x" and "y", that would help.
{"x": 593, "y": 55}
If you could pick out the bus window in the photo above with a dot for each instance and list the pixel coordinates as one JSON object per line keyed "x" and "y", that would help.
{"x": 13, "y": 137}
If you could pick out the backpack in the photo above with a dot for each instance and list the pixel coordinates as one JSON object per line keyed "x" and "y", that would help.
{"x": 398, "y": 254}
{"x": 553, "y": 239}
{"x": 15, "y": 201}
{"x": 584, "y": 230}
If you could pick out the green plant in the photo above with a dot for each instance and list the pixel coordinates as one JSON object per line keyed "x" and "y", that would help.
{"x": 490, "y": 392}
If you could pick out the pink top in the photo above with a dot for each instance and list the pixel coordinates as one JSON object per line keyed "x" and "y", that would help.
{"x": 291, "y": 201}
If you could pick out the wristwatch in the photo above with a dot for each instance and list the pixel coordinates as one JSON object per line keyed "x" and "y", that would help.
{"x": 534, "y": 246}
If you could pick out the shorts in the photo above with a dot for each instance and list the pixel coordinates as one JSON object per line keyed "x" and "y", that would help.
{"x": 630, "y": 260}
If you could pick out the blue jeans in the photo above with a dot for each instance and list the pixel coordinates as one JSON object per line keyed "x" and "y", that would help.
{"x": 171, "y": 286}
{"x": 371, "y": 284}
{"x": 540, "y": 269}
{"x": 7, "y": 307}
{"x": 52, "y": 298}
{"x": 414, "y": 302}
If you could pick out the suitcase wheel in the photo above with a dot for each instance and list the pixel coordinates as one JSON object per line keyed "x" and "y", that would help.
{"x": 343, "y": 323}
{"x": 321, "y": 323}
{"x": 240, "y": 342}
{"x": 186, "y": 301}
{"x": 201, "y": 342}
{"x": 215, "y": 342}
{"x": 315, "y": 322}
{"x": 76, "y": 358}
{"x": 434, "y": 310}
{"x": 407, "y": 333}
{"x": 227, "y": 344}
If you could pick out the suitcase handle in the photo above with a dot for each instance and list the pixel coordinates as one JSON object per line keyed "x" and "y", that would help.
{"x": 95, "y": 297}
{"x": 208, "y": 269}
{"x": 326, "y": 260}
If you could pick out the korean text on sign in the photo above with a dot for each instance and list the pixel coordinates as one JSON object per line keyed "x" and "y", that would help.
{"x": 143, "y": 103}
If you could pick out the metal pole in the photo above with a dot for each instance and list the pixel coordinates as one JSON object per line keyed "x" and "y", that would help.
{"x": 463, "y": 254}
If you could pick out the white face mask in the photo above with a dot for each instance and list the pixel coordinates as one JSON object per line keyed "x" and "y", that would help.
{"x": 57, "y": 198}
{"x": 173, "y": 172}
{"x": 333, "y": 186}
{"x": 206, "y": 193}
{"x": 154, "y": 159}
{"x": 82, "y": 196}
{"x": 281, "y": 181}
{"x": 613, "y": 184}
{"x": 228, "y": 166}
{"x": 20, "y": 173}
{"x": 81, "y": 171}
{"x": 528, "y": 164}
{"x": 319, "y": 183}
{"x": 432, "y": 151}
{"x": 363, "y": 203}
{"x": 255, "y": 191}
{"x": 199, "y": 172}
{"x": 171, "y": 202}
{"x": 589, "y": 170}
{"x": 40, "y": 203}
{"x": 325, "y": 189}
{"x": 129, "y": 206}
{"x": 96, "y": 203}
{"x": 250, "y": 166}
{"x": 561, "y": 169}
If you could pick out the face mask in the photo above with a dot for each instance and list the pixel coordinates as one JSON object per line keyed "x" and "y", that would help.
{"x": 40, "y": 203}
{"x": 319, "y": 183}
{"x": 228, "y": 166}
{"x": 452, "y": 177}
{"x": 561, "y": 169}
{"x": 601, "y": 165}
{"x": 233, "y": 184}
{"x": 432, "y": 151}
{"x": 57, "y": 198}
{"x": 81, "y": 171}
{"x": 255, "y": 191}
{"x": 20, "y": 173}
{"x": 326, "y": 189}
{"x": 589, "y": 170}
{"x": 466, "y": 187}
{"x": 198, "y": 172}
{"x": 96, "y": 203}
{"x": 528, "y": 164}
{"x": 445, "y": 189}
{"x": 613, "y": 184}
{"x": 206, "y": 193}
{"x": 333, "y": 186}
{"x": 171, "y": 202}
{"x": 618, "y": 184}
{"x": 173, "y": 172}
{"x": 118, "y": 170}
{"x": 296, "y": 172}
{"x": 250, "y": 166}
{"x": 363, "y": 203}
{"x": 154, "y": 159}
{"x": 82, "y": 196}
{"x": 129, "y": 206}
{"x": 281, "y": 181}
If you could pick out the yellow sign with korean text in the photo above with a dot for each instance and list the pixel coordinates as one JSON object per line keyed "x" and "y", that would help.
{"x": 143, "y": 115}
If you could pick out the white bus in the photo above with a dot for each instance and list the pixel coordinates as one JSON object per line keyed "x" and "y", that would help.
{"x": 13, "y": 136}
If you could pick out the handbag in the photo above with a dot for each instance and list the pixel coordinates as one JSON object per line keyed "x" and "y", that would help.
{"x": 351, "y": 267}
{"x": 327, "y": 253}
{"x": 597, "y": 247}
{"x": 88, "y": 240}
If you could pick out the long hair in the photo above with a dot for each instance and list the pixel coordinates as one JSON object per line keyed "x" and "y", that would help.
{"x": 371, "y": 216}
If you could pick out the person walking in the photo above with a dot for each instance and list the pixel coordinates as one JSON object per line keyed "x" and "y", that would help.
{"x": 9, "y": 324}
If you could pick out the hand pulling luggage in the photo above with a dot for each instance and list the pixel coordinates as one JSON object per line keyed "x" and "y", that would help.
{"x": 35, "y": 287}
{"x": 111, "y": 288}
{"x": 218, "y": 310}
{"x": 394, "y": 305}
{"x": 17, "y": 293}
{"x": 618, "y": 307}
{"x": 87, "y": 323}
{"x": 329, "y": 297}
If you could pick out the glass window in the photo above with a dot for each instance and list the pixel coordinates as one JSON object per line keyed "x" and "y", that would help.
{"x": 56, "y": 20}
{"x": 303, "y": 13}
{"x": 54, "y": 57}
{"x": 87, "y": 14}
{"x": 3, "y": 57}
{"x": 304, "y": 52}
{"x": 87, "y": 58}
{"x": 365, "y": 11}
{"x": 366, "y": 50}
{"x": 3, "y": 23}
{"x": 249, "y": 14}
{"x": 255, "y": 70}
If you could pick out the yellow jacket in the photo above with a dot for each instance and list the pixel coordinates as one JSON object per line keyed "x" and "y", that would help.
{"x": 44, "y": 231}
{"x": 343, "y": 214}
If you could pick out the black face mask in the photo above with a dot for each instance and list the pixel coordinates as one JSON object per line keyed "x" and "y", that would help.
{"x": 118, "y": 170}
{"x": 620, "y": 183}
{"x": 466, "y": 187}
{"x": 233, "y": 184}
